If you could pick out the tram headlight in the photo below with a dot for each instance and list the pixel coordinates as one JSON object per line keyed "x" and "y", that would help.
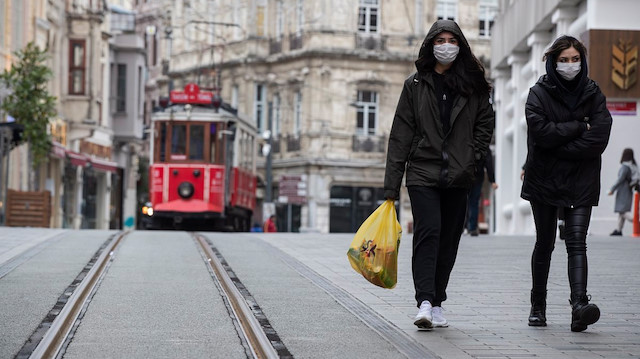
{"x": 147, "y": 209}
{"x": 185, "y": 190}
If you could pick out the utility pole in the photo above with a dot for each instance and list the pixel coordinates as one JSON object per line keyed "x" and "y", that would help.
{"x": 268, "y": 195}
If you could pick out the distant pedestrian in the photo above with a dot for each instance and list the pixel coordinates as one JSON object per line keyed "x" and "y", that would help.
{"x": 270, "y": 224}
{"x": 441, "y": 131}
{"x": 568, "y": 128}
{"x": 476, "y": 192}
{"x": 624, "y": 189}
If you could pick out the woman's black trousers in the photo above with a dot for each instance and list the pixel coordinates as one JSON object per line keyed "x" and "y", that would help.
{"x": 576, "y": 226}
{"x": 438, "y": 216}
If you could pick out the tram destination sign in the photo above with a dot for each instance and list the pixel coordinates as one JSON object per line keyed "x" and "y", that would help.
{"x": 191, "y": 94}
{"x": 292, "y": 189}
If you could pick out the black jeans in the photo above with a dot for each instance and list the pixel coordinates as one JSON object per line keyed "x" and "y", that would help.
{"x": 576, "y": 221}
{"x": 438, "y": 217}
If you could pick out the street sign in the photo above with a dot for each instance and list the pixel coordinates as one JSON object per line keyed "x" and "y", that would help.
{"x": 292, "y": 189}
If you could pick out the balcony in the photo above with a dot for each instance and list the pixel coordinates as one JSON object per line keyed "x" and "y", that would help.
{"x": 369, "y": 42}
{"x": 275, "y": 46}
{"x": 295, "y": 41}
{"x": 369, "y": 143}
{"x": 293, "y": 143}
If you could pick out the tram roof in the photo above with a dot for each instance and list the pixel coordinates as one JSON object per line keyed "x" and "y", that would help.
{"x": 198, "y": 113}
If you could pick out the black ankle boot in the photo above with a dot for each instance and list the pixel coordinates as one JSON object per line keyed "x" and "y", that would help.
{"x": 582, "y": 313}
{"x": 537, "y": 317}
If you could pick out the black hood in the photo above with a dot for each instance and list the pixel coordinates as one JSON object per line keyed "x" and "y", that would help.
{"x": 439, "y": 26}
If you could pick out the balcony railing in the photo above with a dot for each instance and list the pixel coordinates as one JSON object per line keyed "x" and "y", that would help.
{"x": 293, "y": 143}
{"x": 295, "y": 41}
{"x": 368, "y": 42}
{"x": 369, "y": 143}
{"x": 275, "y": 145}
{"x": 275, "y": 46}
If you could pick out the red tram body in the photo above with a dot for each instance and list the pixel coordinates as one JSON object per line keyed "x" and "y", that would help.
{"x": 202, "y": 171}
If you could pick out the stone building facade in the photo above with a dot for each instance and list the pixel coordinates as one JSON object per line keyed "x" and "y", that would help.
{"x": 323, "y": 77}
{"x": 91, "y": 172}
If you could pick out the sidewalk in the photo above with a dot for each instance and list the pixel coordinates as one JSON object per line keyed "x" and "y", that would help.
{"x": 488, "y": 296}
{"x": 15, "y": 241}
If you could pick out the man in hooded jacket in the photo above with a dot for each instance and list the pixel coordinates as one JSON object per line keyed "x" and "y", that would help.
{"x": 441, "y": 131}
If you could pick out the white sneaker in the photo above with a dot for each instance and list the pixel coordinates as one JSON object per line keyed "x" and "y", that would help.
{"x": 439, "y": 321}
{"x": 424, "y": 318}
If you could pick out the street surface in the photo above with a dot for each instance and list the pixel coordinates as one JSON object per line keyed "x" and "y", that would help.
{"x": 158, "y": 300}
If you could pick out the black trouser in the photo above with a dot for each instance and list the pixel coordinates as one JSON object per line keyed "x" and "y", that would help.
{"x": 438, "y": 217}
{"x": 576, "y": 221}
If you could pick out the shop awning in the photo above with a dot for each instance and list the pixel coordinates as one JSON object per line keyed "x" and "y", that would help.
{"x": 104, "y": 165}
{"x": 77, "y": 159}
{"x": 80, "y": 159}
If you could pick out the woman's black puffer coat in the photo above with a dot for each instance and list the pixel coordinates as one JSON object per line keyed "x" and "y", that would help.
{"x": 564, "y": 159}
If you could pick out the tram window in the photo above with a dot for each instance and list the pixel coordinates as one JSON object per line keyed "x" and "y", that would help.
{"x": 213, "y": 143}
{"x": 162, "y": 143}
{"x": 178, "y": 141}
{"x": 196, "y": 142}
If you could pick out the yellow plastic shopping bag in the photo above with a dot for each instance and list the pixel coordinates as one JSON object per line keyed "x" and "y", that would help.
{"x": 374, "y": 249}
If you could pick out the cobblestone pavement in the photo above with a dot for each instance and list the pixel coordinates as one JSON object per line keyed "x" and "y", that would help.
{"x": 488, "y": 295}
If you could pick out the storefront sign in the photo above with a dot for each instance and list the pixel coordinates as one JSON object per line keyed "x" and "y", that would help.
{"x": 622, "y": 108}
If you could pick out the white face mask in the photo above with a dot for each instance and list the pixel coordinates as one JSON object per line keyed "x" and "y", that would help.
{"x": 445, "y": 53}
{"x": 568, "y": 70}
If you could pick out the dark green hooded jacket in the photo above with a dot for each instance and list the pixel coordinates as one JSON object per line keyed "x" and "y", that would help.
{"x": 417, "y": 141}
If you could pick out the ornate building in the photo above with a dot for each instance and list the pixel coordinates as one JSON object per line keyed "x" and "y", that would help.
{"x": 323, "y": 77}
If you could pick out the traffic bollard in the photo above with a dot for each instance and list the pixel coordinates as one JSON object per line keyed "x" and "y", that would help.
{"x": 636, "y": 215}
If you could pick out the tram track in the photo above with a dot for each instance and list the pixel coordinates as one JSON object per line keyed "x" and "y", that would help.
{"x": 56, "y": 332}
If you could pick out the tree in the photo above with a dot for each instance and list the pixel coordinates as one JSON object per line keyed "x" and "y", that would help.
{"x": 30, "y": 103}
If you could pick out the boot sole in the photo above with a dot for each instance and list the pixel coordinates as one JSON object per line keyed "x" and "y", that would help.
{"x": 537, "y": 324}
{"x": 589, "y": 316}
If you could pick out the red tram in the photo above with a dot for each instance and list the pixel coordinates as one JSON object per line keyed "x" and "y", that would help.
{"x": 202, "y": 171}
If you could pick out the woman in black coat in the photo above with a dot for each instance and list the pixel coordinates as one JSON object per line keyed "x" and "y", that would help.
{"x": 568, "y": 128}
{"x": 441, "y": 131}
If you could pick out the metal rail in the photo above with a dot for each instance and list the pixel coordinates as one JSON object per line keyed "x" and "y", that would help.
{"x": 54, "y": 338}
{"x": 258, "y": 342}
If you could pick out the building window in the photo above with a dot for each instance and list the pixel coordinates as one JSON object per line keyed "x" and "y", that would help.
{"x": 77, "y": 67}
{"x": 261, "y": 20}
{"x": 297, "y": 113}
{"x": 368, "y": 16}
{"x": 487, "y": 11}
{"x": 447, "y": 9}
{"x": 275, "y": 126}
{"x": 121, "y": 88}
{"x": 259, "y": 107}
{"x": 234, "y": 96}
{"x": 367, "y": 113}
{"x": 299, "y": 17}
{"x": 279, "y": 20}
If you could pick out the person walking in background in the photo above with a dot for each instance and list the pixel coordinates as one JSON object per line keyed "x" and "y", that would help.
{"x": 476, "y": 191}
{"x": 270, "y": 224}
{"x": 623, "y": 189}
{"x": 568, "y": 128}
{"x": 440, "y": 134}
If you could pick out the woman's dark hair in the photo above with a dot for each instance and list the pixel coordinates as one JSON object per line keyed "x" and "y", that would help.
{"x": 562, "y": 43}
{"x": 468, "y": 72}
{"x": 627, "y": 155}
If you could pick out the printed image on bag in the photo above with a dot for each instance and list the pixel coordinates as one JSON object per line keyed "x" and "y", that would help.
{"x": 374, "y": 249}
